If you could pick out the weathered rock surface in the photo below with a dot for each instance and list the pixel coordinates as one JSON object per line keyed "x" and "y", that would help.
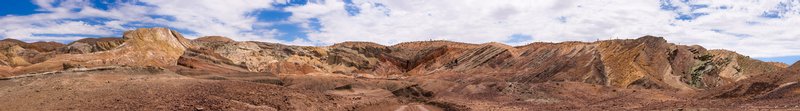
{"x": 626, "y": 74}
{"x": 795, "y": 66}
{"x": 15, "y": 53}
{"x": 142, "y": 47}
{"x": 38, "y": 46}
{"x": 89, "y": 45}
{"x": 647, "y": 62}
{"x": 204, "y": 62}
{"x": 770, "y": 85}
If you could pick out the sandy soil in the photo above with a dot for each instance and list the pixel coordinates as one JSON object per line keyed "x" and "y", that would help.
{"x": 159, "y": 89}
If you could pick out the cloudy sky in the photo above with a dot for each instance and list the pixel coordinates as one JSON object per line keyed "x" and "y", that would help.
{"x": 764, "y": 29}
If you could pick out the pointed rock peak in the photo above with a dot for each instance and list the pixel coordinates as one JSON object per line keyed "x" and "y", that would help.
{"x": 214, "y": 39}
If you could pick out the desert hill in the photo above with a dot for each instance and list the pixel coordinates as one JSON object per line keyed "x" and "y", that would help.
{"x": 627, "y": 74}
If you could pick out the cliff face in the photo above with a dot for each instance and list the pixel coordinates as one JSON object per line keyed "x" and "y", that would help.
{"x": 646, "y": 62}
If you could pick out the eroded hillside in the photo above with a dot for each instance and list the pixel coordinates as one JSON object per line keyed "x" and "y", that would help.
{"x": 147, "y": 67}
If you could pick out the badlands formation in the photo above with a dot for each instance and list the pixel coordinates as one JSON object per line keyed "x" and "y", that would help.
{"x": 159, "y": 69}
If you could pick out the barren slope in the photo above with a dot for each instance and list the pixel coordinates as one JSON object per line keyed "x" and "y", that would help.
{"x": 158, "y": 69}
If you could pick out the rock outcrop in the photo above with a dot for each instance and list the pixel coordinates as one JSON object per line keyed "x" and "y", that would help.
{"x": 204, "y": 62}
{"x": 14, "y": 53}
{"x": 142, "y": 47}
{"x": 38, "y": 46}
{"x": 213, "y": 39}
{"x": 89, "y": 45}
{"x": 770, "y": 85}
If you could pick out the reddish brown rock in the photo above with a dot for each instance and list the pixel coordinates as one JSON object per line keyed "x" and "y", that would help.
{"x": 18, "y": 53}
{"x": 219, "y": 73}
{"x": 213, "y": 39}
{"x": 647, "y": 62}
{"x": 205, "y": 62}
{"x": 795, "y": 66}
{"x": 100, "y": 44}
{"x": 142, "y": 47}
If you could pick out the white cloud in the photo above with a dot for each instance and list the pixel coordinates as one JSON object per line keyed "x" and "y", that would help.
{"x": 60, "y": 18}
{"x": 68, "y": 27}
{"x": 734, "y": 25}
{"x": 212, "y": 17}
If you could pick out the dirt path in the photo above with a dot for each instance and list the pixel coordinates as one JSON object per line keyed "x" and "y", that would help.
{"x": 416, "y": 107}
{"x": 401, "y": 108}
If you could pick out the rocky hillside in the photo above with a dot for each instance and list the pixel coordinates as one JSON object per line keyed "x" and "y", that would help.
{"x": 89, "y": 45}
{"x": 159, "y": 69}
{"x": 795, "y": 66}
{"x": 646, "y": 62}
{"x": 142, "y": 47}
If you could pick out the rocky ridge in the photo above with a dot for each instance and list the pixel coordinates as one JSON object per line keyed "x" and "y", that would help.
{"x": 433, "y": 73}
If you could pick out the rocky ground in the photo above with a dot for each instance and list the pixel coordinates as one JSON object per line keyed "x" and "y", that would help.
{"x": 158, "y": 69}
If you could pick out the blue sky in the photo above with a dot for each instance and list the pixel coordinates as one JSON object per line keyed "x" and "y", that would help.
{"x": 763, "y": 29}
